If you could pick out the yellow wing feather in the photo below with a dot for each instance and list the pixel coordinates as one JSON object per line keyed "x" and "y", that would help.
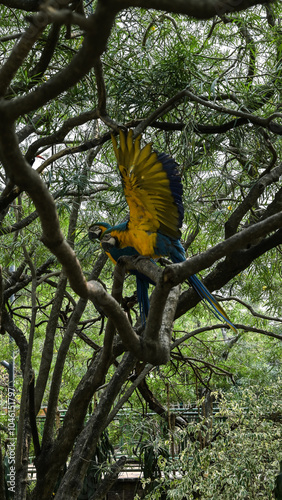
{"x": 146, "y": 187}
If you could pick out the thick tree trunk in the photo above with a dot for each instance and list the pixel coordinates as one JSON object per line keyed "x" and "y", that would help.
{"x": 2, "y": 482}
{"x": 109, "y": 480}
{"x": 22, "y": 472}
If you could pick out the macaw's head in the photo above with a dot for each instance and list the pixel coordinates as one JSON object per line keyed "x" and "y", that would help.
{"x": 95, "y": 231}
{"x": 108, "y": 242}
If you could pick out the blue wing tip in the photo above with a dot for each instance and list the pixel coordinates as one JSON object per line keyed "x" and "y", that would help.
{"x": 171, "y": 168}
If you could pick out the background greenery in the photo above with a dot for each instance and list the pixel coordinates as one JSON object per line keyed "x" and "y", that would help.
{"x": 225, "y": 133}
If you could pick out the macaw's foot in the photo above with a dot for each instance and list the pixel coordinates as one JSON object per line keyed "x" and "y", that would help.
{"x": 164, "y": 262}
{"x": 139, "y": 258}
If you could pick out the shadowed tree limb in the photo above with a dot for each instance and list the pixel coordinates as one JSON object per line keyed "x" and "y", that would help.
{"x": 244, "y": 116}
{"x": 255, "y": 192}
{"x": 20, "y": 52}
{"x": 250, "y": 308}
{"x": 154, "y": 404}
{"x": 204, "y": 10}
{"x": 88, "y": 437}
{"x": 227, "y": 269}
{"x": 177, "y": 273}
{"x": 47, "y": 350}
{"x": 98, "y": 28}
{"x": 36, "y": 73}
{"x": 59, "y": 135}
{"x": 200, "y": 10}
{"x": 109, "y": 479}
{"x": 12, "y": 329}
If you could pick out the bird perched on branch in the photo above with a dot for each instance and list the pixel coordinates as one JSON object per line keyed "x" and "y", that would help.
{"x": 153, "y": 190}
{"x": 96, "y": 231}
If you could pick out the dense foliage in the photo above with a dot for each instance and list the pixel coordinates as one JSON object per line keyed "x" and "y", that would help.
{"x": 230, "y": 456}
{"x": 203, "y": 83}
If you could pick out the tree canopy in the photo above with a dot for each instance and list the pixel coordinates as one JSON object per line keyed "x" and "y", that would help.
{"x": 202, "y": 81}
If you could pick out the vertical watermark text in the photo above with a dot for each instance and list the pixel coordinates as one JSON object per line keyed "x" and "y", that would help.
{"x": 11, "y": 447}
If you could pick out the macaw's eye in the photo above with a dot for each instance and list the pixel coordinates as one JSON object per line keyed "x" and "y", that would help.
{"x": 94, "y": 232}
{"x": 108, "y": 241}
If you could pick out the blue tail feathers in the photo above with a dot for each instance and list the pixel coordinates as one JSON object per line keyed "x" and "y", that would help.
{"x": 142, "y": 296}
{"x": 210, "y": 300}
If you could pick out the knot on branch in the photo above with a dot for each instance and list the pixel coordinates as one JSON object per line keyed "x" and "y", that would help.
{"x": 52, "y": 244}
{"x": 172, "y": 274}
{"x": 155, "y": 352}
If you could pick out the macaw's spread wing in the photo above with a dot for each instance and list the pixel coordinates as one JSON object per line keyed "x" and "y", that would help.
{"x": 152, "y": 187}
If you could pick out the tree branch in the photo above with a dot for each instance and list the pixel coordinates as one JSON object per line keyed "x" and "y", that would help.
{"x": 248, "y": 328}
{"x": 20, "y": 51}
{"x": 47, "y": 350}
{"x": 59, "y": 135}
{"x": 27, "y": 371}
{"x": 109, "y": 479}
{"x": 226, "y": 270}
{"x": 205, "y": 9}
{"x": 250, "y": 308}
{"x": 25, "y": 5}
{"x": 87, "y": 440}
{"x": 11, "y": 328}
{"x": 98, "y": 27}
{"x": 255, "y": 192}
{"x": 36, "y": 73}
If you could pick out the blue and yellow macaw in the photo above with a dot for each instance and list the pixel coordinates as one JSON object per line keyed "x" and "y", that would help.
{"x": 96, "y": 231}
{"x": 153, "y": 191}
